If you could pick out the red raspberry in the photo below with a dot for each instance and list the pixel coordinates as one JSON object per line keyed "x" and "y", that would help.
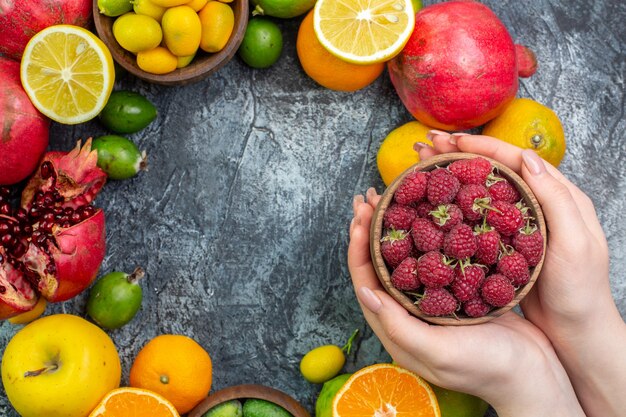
{"x": 399, "y": 217}
{"x": 529, "y": 243}
{"x": 502, "y": 190}
{"x": 395, "y": 246}
{"x": 497, "y": 290}
{"x": 514, "y": 266}
{"x": 442, "y": 187}
{"x": 437, "y": 302}
{"x": 426, "y": 236}
{"x": 446, "y": 216}
{"x": 412, "y": 188}
{"x": 434, "y": 270}
{"x": 471, "y": 171}
{"x": 460, "y": 242}
{"x": 476, "y": 307}
{"x": 423, "y": 209}
{"x": 488, "y": 240}
{"x": 505, "y": 218}
{"x": 467, "y": 281}
{"x": 404, "y": 277}
{"x": 472, "y": 199}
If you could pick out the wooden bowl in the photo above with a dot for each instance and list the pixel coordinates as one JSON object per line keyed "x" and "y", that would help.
{"x": 242, "y": 392}
{"x": 203, "y": 65}
{"x": 377, "y": 229}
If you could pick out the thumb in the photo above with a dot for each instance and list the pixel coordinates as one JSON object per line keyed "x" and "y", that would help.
{"x": 558, "y": 205}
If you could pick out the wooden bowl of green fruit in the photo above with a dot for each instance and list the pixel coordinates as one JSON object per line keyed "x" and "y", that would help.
{"x": 249, "y": 401}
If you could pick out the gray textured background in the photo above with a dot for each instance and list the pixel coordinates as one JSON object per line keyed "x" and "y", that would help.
{"x": 241, "y": 221}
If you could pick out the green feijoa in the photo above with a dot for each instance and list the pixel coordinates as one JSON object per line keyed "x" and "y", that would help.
{"x": 119, "y": 157}
{"x": 324, "y": 403}
{"x": 260, "y": 408}
{"x": 115, "y": 299}
{"x": 127, "y": 112}
{"x": 230, "y": 408}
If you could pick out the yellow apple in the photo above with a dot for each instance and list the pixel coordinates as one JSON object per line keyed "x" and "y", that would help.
{"x": 59, "y": 366}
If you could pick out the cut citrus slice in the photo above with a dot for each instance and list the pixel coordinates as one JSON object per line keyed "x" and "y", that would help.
{"x": 385, "y": 390}
{"x": 68, "y": 73}
{"x": 136, "y": 402}
{"x": 364, "y": 31}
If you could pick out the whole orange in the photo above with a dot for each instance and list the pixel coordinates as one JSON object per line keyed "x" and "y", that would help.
{"x": 328, "y": 70}
{"x": 176, "y": 367}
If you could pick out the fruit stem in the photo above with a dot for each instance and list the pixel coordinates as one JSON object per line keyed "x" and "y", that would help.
{"x": 143, "y": 163}
{"x": 49, "y": 368}
{"x": 136, "y": 275}
{"x": 258, "y": 10}
{"x": 348, "y": 346}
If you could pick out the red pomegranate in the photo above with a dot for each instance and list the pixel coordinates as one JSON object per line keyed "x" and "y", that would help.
{"x": 21, "y": 19}
{"x": 24, "y": 133}
{"x": 459, "y": 68}
{"x": 55, "y": 243}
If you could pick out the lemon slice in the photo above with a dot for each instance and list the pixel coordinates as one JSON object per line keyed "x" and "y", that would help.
{"x": 364, "y": 31}
{"x": 68, "y": 73}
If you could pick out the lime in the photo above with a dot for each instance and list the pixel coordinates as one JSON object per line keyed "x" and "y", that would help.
{"x": 260, "y": 408}
{"x": 114, "y": 7}
{"x": 262, "y": 43}
{"x": 118, "y": 157}
{"x": 230, "y": 408}
{"x": 459, "y": 404}
{"x": 115, "y": 299}
{"x": 324, "y": 403}
{"x": 282, "y": 8}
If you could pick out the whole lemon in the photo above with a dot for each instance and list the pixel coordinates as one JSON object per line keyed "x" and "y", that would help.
{"x": 396, "y": 152}
{"x": 59, "y": 366}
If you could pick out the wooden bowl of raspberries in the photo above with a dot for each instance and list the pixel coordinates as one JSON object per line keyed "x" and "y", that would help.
{"x": 458, "y": 239}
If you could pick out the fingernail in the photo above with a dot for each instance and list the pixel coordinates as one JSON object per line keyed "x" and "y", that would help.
{"x": 533, "y": 162}
{"x": 369, "y": 299}
{"x": 455, "y": 136}
{"x": 419, "y": 145}
{"x": 356, "y": 200}
{"x": 370, "y": 194}
{"x": 432, "y": 133}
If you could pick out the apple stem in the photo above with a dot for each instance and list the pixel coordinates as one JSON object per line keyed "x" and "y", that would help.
{"x": 38, "y": 372}
{"x": 136, "y": 275}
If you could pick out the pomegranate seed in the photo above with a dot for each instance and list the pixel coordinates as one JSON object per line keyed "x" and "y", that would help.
{"x": 28, "y": 229}
{"x": 8, "y": 241}
{"x": 34, "y": 212}
{"x": 5, "y": 228}
{"x": 19, "y": 250}
{"x": 57, "y": 211}
{"x": 47, "y": 170}
{"x": 75, "y": 218}
{"x": 5, "y": 209}
{"x": 2, "y": 289}
{"x": 48, "y": 217}
{"x": 66, "y": 224}
{"x": 21, "y": 215}
{"x": 68, "y": 211}
{"x": 5, "y": 192}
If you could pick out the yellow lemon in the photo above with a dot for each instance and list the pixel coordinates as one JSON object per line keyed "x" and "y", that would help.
{"x": 147, "y": 8}
{"x": 157, "y": 61}
{"x": 396, "y": 153}
{"x": 136, "y": 32}
{"x": 197, "y": 5}
{"x": 31, "y": 315}
{"x": 183, "y": 61}
{"x": 181, "y": 30}
{"x": 530, "y": 125}
{"x": 363, "y": 31}
{"x": 322, "y": 363}
{"x": 68, "y": 73}
{"x": 218, "y": 21}
{"x": 169, "y": 3}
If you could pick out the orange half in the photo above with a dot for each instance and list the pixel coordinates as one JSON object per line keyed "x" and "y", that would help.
{"x": 136, "y": 402}
{"x": 385, "y": 390}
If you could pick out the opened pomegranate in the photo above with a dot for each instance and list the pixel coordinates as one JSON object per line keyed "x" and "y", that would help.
{"x": 24, "y": 131}
{"x": 54, "y": 244}
{"x": 459, "y": 69}
{"x": 21, "y": 19}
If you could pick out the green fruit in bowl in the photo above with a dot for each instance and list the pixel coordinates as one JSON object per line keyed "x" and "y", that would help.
{"x": 284, "y": 9}
{"x": 114, "y": 8}
{"x": 459, "y": 404}
{"x": 230, "y": 408}
{"x": 324, "y": 403}
{"x": 260, "y": 408}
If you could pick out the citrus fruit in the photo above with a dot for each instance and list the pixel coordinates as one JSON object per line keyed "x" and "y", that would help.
{"x": 328, "y": 70}
{"x": 385, "y": 389}
{"x": 157, "y": 61}
{"x": 147, "y": 8}
{"x": 169, "y": 3}
{"x": 459, "y": 404}
{"x": 530, "y": 125}
{"x": 230, "y": 408}
{"x": 218, "y": 21}
{"x": 68, "y": 73}
{"x": 197, "y": 5}
{"x": 31, "y": 315}
{"x": 116, "y": 297}
{"x": 396, "y": 152}
{"x": 324, "y": 403}
{"x": 136, "y": 402}
{"x": 137, "y": 32}
{"x": 254, "y": 407}
{"x": 282, "y": 8}
{"x": 127, "y": 112}
{"x": 183, "y": 61}
{"x": 262, "y": 43}
{"x": 363, "y": 31}
{"x": 181, "y": 30}
{"x": 322, "y": 363}
{"x": 176, "y": 367}
{"x": 114, "y": 7}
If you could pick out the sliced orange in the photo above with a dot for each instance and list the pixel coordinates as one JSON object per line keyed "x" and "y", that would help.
{"x": 136, "y": 402}
{"x": 385, "y": 390}
{"x": 363, "y": 31}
